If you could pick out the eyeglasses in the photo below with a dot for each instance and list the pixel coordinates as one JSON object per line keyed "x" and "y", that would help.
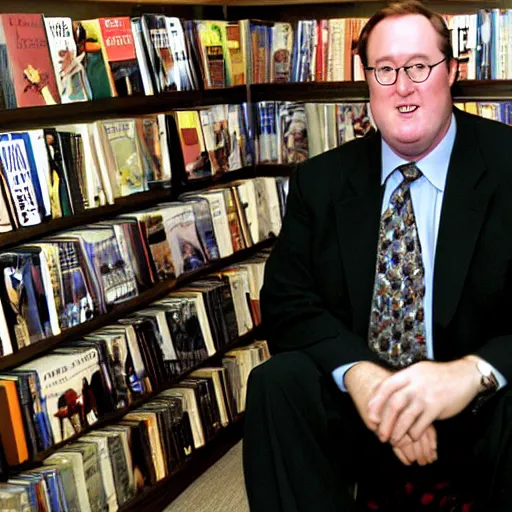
{"x": 419, "y": 72}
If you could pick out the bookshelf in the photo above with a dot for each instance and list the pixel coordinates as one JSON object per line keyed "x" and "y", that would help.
{"x": 117, "y": 415}
{"x": 124, "y": 309}
{"x": 162, "y": 493}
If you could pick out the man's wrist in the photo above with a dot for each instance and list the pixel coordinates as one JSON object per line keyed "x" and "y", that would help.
{"x": 476, "y": 377}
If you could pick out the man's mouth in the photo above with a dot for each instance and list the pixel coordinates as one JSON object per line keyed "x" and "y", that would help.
{"x": 406, "y": 109}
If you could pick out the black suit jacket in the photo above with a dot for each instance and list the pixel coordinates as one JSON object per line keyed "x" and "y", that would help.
{"x": 319, "y": 278}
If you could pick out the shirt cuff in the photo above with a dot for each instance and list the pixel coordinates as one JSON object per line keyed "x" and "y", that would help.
{"x": 502, "y": 381}
{"x": 339, "y": 375}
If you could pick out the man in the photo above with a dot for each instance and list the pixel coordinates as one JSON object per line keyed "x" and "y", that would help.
{"x": 386, "y": 297}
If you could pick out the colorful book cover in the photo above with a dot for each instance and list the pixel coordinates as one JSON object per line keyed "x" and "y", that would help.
{"x": 353, "y": 121}
{"x": 23, "y": 38}
{"x": 294, "y": 133}
{"x": 119, "y": 52}
{"x": 282, "y": 47}
{"x": 90, "y": 43}
{"x": 195, "y": 155}
{"x": 122, "y": 137}
{"x": 66, "y": 387}
{"x": 158, "y": 46}
{"x": 150, "y": 151}
{"x": 236, "y": 61}
{"x": 235, "y": 158}
{"x": 67, "y": 62}
{"x": 20, "y": 176}
{"x": 186, "y": 249}
{"x": 212, "y": 35}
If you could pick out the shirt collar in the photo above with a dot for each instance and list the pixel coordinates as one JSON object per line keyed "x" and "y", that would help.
{"x": 434, "y": 166}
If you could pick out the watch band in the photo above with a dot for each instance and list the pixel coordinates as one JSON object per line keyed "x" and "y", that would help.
{"x": 488, "y": 382}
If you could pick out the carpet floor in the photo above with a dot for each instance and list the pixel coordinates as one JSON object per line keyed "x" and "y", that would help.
{"x": 220, "y": 489}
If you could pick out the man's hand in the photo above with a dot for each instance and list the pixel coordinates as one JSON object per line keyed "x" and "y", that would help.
{"x": 361, "y": 382}
{"x": 423, "y": 451}
{"x": 410, "y": 400}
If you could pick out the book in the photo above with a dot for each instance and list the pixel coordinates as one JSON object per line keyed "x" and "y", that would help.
{"x": 21, "y": 178}
{"x": 119, "y": 53}
{"x": 72, "y": 474}
{"x": 12, "y": 432}
{"x": 66, "y": 390}
{"x": 90, "y": 43}
{"x": 28, "y": 78}
{"x": 14, "y": 498}
{"x": 70, "y": 73}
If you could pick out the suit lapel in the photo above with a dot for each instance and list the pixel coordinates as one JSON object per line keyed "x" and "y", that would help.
{"x": 464, "y": 204}
{"x": 358, "y": 205}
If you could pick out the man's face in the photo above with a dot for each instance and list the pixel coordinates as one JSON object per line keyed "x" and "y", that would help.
{"x": 412, "y": 117}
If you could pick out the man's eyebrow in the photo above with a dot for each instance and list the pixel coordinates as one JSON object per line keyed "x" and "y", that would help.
{"x": 387, "y": 58}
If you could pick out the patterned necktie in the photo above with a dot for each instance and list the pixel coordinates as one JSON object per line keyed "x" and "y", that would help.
{"x": 397, "y": 329}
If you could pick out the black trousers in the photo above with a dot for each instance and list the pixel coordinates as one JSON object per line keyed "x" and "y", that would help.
{"x": 305, "y": 445}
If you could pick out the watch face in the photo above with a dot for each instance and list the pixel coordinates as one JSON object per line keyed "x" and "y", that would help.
{"x": 484, "y": 368}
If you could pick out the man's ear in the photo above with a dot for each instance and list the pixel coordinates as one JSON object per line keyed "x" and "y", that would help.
{"x": 453, "y": 69}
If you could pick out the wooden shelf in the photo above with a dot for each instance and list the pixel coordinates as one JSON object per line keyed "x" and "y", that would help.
{"x": 53, "y": 115}
{"x": 310, "y": 92}
{"x": 482, "y": 90}
{"x": 274, "y": 170}
{"x": 124, "y": 309}
{"x": 341, "y": 92}
{"x": 108, "y": 108}
{"x": 90, "y": 216}
{"x": 157, "y": 497}
{"x": 114, "y": 416}
{"x": 218, "y": 180}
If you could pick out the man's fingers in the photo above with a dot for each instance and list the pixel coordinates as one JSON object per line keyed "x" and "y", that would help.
{"x": 432, "y": 437}
{"x": 393, "y": 408}
{"x": 405, "y": 421}
{"x": 430, "y": 455}
{"x": 401, "y": 456}
{"x": 383, "y": 393}
{"x": 421, "y": 424}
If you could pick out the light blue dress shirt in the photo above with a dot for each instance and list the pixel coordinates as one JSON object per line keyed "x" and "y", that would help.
{"x": 427, "y": 198}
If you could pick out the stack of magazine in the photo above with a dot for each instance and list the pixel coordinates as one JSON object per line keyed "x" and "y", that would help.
{"x": 68, "y": 278}
{"x": 52, "y": 398}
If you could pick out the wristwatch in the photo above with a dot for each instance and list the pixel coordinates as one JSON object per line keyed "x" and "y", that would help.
{"x": 488, "y": 382}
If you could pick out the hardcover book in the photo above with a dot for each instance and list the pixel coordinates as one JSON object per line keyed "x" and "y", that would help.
{"x": 28, "y": 79}
{"x": 68, "y": 64}
{"x": 119, "y": 54}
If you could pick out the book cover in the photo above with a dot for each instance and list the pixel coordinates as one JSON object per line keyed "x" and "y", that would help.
{"x": 161, "y": 56}
{"x": 92, "y": 472}
{"x": 70, "y": 73}
{"x": 187, "y": 252}
{"x": 195, "y": 154}
{"x": 120, "y": 56}
{"x": 212, "y": 37}
{"x": 72, "y": 475}
{"x": 150, "y": 152}
{"x": 294, "y": 133}
{"x": 23, "y": 38}
{"x": 204, "y": 226}
{"x": 65, "y": 388}
{"x": 12, "y": 432}
{"x": 121, "y": 135}
{"x": 14, "y": 156}
{"x": 105, "y": 465}
{"x": 236, "y": 60}
{"x": 90, "y": 44}
{"x": 282, "y": 47}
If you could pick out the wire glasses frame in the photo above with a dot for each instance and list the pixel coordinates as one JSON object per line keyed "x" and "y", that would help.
{"x": 418, "y": 73}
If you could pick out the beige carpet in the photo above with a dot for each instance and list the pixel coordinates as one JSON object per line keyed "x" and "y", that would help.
{"x": 220, "y": 489}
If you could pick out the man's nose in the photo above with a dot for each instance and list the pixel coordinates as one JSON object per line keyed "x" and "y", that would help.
{"x": 404, "y": 85}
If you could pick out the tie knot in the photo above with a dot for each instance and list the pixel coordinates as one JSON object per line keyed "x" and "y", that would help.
{"x": 410, "y": 172}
